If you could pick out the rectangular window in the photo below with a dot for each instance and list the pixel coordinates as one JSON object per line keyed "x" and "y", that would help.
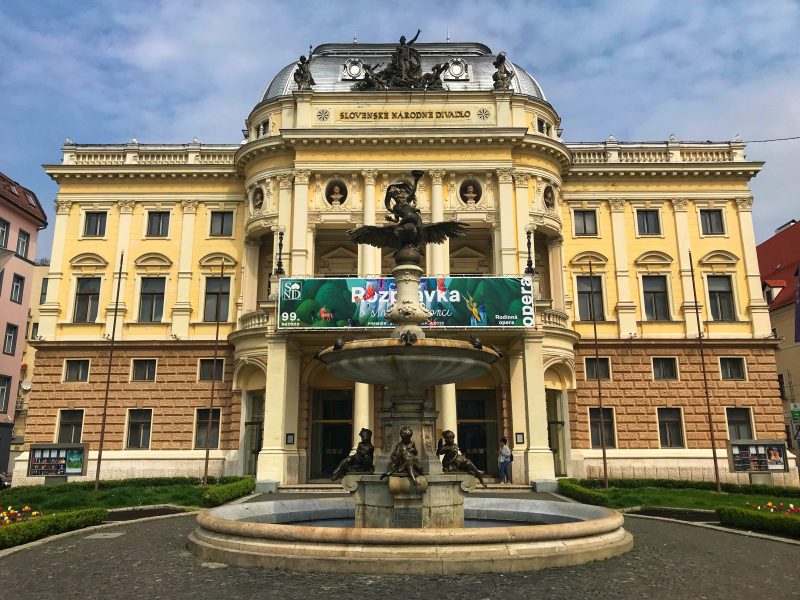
{"x": 151, "y": 300}
{"x": 43, "y": 293}
{"x": 87, "y": 298}
{"x": 5, "y": 227}
{"x": 217, "y": 294}
{"x": 17, "y": 288}
{"x": 139, "y": 420}
{"x": 665, "y": 367}
{"x": 720, "y": 295}
{"x": 10, "y": 340}
{"x": 222, "y": 223}
{"x": 739, "y": 427}
{"x": 144, "y": 369}
{"x": 608, "y": 427}
{"x": 585, "y": 222}
{"x": 591, "y": 368}
{"x": 732, "y": 367}
{"x": 670, "y": 429}
{"x": 70, "y": 427}
{"x": 207, "y": 371}
{"x": 590, "y": 298}
{"x": 157, "y": 224}
{"x": 94, "y": 224}
{"x": 34, "y": 331}
{"x": 781, "y": 386}
{"x": 5, "y": 392}
{"x": 76, "y": 369}
{"x": 656, "y": 302}
{"x": 201, "y": 428}
{"x": 23, "y": 243}
{"x": 648, "y": 222}
{"x": 711, "y": 222}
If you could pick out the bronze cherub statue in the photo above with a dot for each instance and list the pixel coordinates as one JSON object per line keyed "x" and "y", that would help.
{"x": 361, "y": 460}
{"x": 453, "y": 460}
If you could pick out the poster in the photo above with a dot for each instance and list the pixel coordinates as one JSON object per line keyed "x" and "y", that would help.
{"x": 331, "y": 303}
{"x": 75, "y": 461}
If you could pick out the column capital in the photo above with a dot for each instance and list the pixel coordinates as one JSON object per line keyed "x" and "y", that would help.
{"x": 555, "y": 242}
{"x": 189, "y": 206}
{"x": 62, "y": 207}
{"x": 285, "y": 180}
{"x": 437, "y": 175}
{"x": 369, "y": 176}
{"x": 301, "y": 176}
{"x": 617, "y": 204}
{"x": 744, "y": 203}
{"x": 521, "y": 178}
{"x": 680, "y": 204}
{"x": 125, "y": 206}
{"x": 249, "y": 241}
{"x": 505, "y": 175}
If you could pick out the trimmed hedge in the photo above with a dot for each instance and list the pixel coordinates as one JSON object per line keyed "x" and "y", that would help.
{"x": 731, "y": 488}
{"x": 763, "y": 521}
{"x": 106, "y": 484}
{"x": 572, "y": 489}
{"x": 225, "y": 492}
{"x": 41, "y": 527}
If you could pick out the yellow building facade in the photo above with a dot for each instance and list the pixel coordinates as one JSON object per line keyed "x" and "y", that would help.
{"x": 197, "y": 222}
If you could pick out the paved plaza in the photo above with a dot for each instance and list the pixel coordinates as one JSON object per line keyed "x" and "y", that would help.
{"x": 149, "y": 560}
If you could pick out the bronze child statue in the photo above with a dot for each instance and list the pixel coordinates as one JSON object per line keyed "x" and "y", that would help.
{"x": 453, "y": 460}
{"x": 361, "y": 460}
{"x": 404, "y": 459}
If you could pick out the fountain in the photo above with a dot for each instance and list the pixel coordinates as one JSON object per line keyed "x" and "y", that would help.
{"x": 408, "y": 503}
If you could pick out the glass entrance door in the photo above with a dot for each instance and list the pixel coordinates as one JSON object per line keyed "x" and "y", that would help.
{"x": 476, "y": 415}
{"x": 253, "y": 432}
{"x": 331, "y": 430}
{"x": 555, "y": 431}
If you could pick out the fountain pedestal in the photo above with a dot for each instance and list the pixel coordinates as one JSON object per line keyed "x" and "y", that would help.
{"x": 436, "y": 503}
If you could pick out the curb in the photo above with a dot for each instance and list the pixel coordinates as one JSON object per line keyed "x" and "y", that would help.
{"x": 59, "y": 536}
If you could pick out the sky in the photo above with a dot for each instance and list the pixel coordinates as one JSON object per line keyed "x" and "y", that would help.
{"x": 165, "y": 71}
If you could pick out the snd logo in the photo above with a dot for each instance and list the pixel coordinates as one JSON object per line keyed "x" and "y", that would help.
{"x": 292, "y": 290}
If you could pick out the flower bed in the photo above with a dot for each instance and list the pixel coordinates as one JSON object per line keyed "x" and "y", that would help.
{"x": 9, "y": 515}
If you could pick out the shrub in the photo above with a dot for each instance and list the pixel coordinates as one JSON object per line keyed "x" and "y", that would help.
{"x": 29, "y": 531}
{"x": 731, "y": 488}
{"x": 757, "y": 520}
{"x": 106, "y": 484}
{"x": 572, "y": 489}
{"x": 225, "y": 492}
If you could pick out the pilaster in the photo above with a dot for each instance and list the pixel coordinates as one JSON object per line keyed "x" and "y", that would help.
{"x": 299, "y": 250}
{"x": 182, "y": 311}
{"x": 123, "y": 241}
{"x": 680, "y": 208}
{"x": 50, "y": 311}
{"x": 539, "y": 456}
{"x": 285, "y": 181}
{"x": 439, "y": 252}
{"x": 250, "y": 274}
{"x": 369, "y": 256}
{"x": 272, "y": 460}
{"x": 758, "y": 308}
{"x": 508, "y": 240}
{"x": 555, "y": 257}
{"x": 626, "y": 308}
{"x": 522, "y": 204}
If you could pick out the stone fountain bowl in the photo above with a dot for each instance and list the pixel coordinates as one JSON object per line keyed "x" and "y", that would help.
{"x": 425, "y": 363}
{"x": 287, "y": 535}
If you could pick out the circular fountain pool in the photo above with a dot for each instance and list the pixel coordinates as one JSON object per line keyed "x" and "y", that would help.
{"x": 509, "y": 535}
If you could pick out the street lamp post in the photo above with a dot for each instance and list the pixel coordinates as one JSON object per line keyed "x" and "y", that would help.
{"x": 279, "y": 266}
{"x": 529, "y": 268}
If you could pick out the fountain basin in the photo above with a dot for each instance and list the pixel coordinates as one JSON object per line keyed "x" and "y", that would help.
{"x": 270, "y": 535}
{"x": 388, "y": 361}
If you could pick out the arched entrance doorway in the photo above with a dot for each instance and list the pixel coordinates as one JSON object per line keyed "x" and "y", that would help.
{"x": 252, "y": 380}
{"x": 556, "y": 383}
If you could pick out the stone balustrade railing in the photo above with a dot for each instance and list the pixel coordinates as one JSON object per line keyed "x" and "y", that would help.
{"x": 554, "y": 318}
{"x": 145, "y": 154}
{"x": 251, "y": 320}
{"x": 658, "y": 152}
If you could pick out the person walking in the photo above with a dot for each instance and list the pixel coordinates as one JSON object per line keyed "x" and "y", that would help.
{"x": 504, "y": 458}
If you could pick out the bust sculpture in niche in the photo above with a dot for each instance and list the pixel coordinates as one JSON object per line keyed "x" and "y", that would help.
{"x": 258, "y": 199}
{"x": 336, "y": 193}
{"x": 470, "y": 192}
{"x": 549, "y": 198}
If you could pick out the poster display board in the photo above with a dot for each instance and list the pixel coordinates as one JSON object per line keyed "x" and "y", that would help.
{"x": 330, "y": 303}
{"x": 57, "y": 460}
{"x": 757, "y": 456}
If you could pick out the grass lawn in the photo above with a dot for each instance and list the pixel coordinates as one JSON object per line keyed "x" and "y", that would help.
{"x": 55, "y": 498}
{"x": 685, "y": 498}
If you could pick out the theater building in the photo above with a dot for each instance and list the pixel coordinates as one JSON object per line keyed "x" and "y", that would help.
{"x": 315, "y": 163}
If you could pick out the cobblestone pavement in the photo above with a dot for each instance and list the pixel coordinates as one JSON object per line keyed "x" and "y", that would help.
{"x": 149, "y": 561}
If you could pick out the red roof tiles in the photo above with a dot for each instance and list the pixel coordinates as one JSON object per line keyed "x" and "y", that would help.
{"x": 22, "y": 199}
{"x": 778, "y": 261}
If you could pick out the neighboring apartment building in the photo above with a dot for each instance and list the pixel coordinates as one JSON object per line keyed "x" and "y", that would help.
{"x": 316, "y": 163}
{"x": 779, "y": 261}
{"x": 21, "y": 218}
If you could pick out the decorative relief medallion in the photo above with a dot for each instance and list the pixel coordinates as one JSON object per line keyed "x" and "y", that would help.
{"x": 323, "y": 115}
{"x": 353, "y": 69}
{"x": 457, "y": 70}
{"x": 484, "y": 114}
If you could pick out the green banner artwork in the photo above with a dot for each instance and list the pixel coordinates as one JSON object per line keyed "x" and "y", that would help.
{"x": 363, "y": 302}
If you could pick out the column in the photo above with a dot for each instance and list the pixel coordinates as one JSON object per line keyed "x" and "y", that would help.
{"x": 362, "y": 417}
{"x": 285, "y": 219}
{"x": 523, "y": 218}
{"x": 679, "y": 207}
{"x": 182, "y": 311}
{"x": 508, "y": 240}
{"x": 250, "y": 267}
{"x": 555, "y": 257}
{"x": 49, "y": 312}
{"x": 440, "y": 255}
{"x": 538, "y": 454}
{"x": 369, "y": 256}
{"x": 626, "y": 309}
{"x": 299, "y": 251}
{"x": 446, "y": 405}
{"x": 123, "y": 240}
{"x": 519, "y": 414}
{"x": 272, "y": 458}
{"x": 758, "y": 307}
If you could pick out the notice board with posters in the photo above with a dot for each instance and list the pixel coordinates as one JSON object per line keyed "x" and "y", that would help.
{"x": 757, "y": 456}
{"x": 58, "y": 460}
{"x": 356, "y": 302}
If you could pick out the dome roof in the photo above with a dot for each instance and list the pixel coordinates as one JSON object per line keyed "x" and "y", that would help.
{"x": 336, "y": 67}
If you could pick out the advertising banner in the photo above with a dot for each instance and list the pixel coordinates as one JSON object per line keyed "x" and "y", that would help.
{"x": 362, "y": 302}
